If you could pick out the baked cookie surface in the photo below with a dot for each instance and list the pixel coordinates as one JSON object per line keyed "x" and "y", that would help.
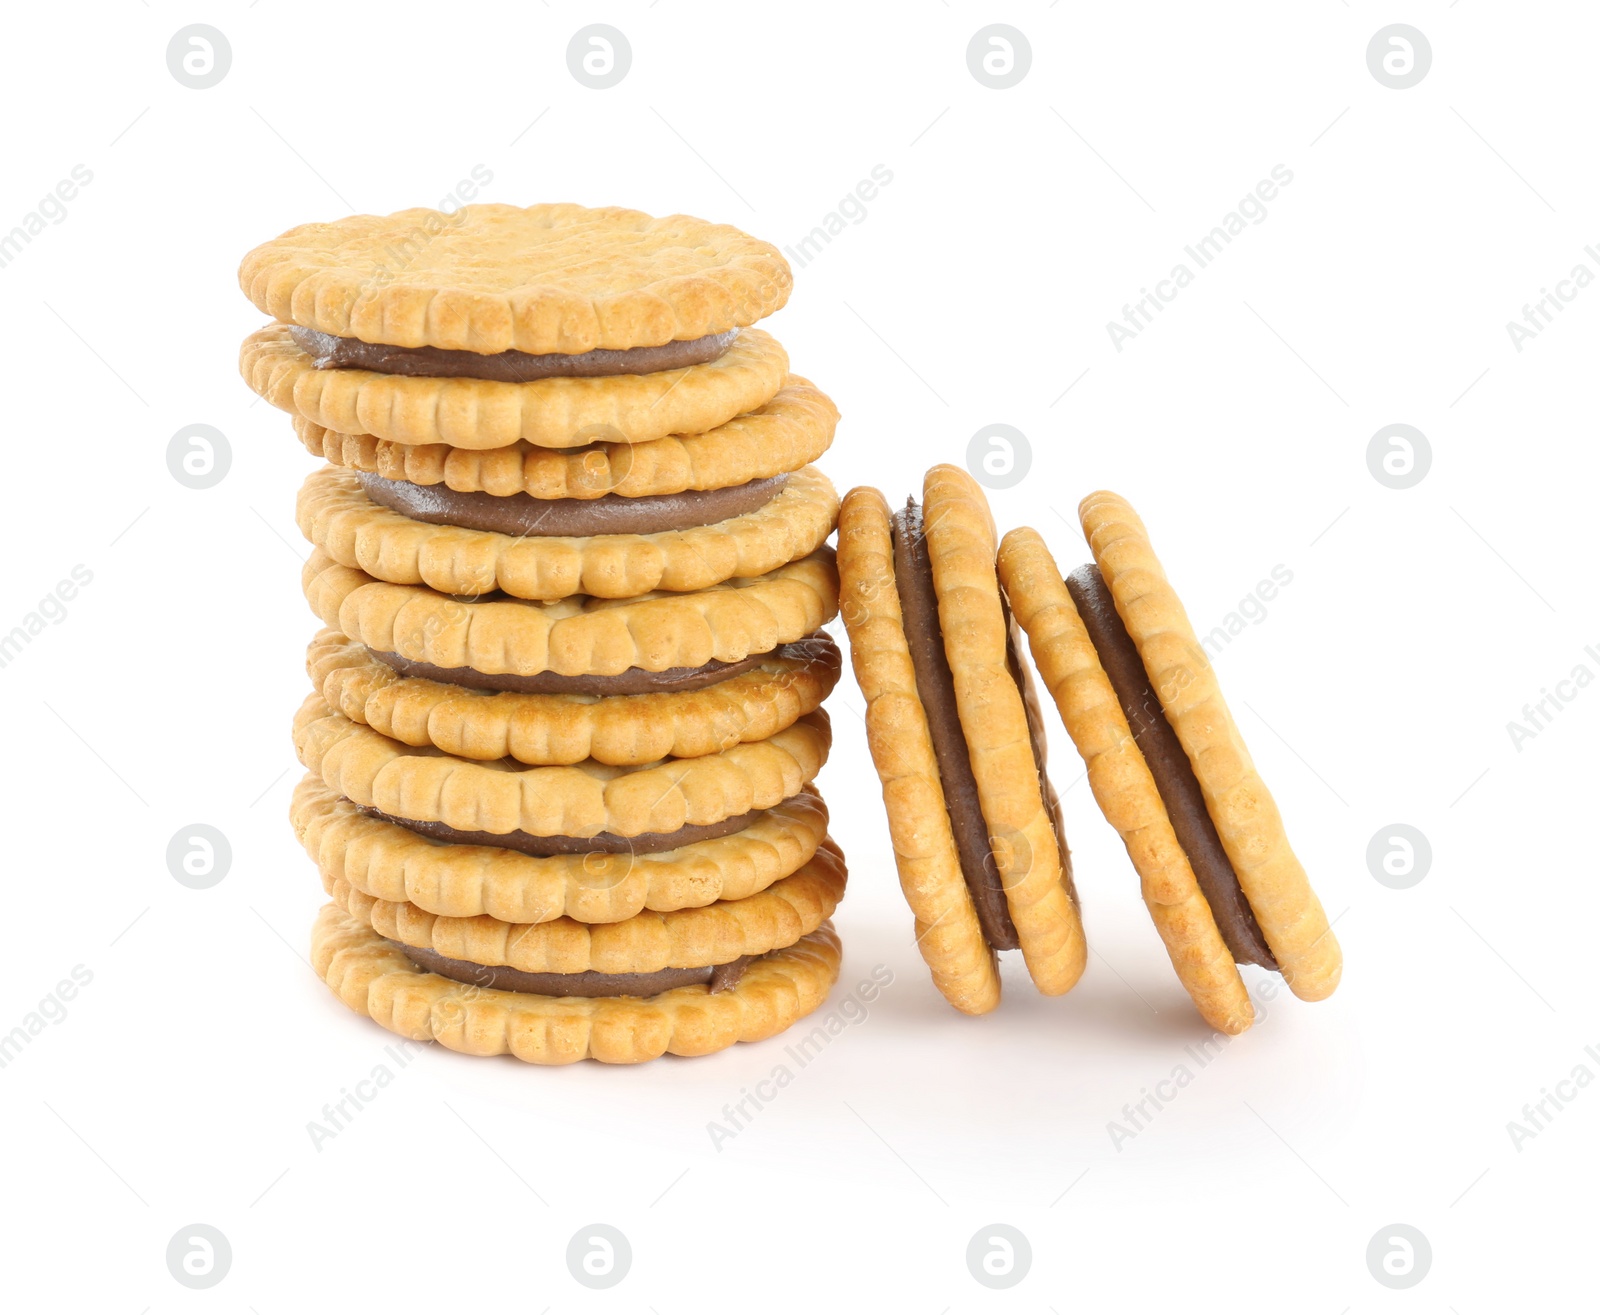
{"x": 792, "y": 430}
{"x": 373, "y": 976}
{"x": 391, "y": 862}
{"x": 948, "y": 934}
{"x": 583, "y": 801}
{"x": 1004, "y": 749}
{"x": 486, "y": 413}
{"x": 336, "y": 515}
{"x": 540, "y": 279}
{"x": 576, "y": 636}
{"x": 1121, "y": 780}
{"x": 544, "y": 729}
{"x": 956, "y": 741}
{"x": 1238, "y": 801}
{"x": 791, "y": 907}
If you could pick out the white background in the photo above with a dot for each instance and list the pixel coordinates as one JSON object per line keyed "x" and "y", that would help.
{"x": 1377, "y": 689}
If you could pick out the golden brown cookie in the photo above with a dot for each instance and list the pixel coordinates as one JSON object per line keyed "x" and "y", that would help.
{"x": 1006, "y": 757}
{"x": 483, "y": 413}
{"x": 391, "y": 862}
{"x": 792, "y": 907}
{"x": 1246, "y": 818}
{"x": 1121, "y": 780}
{"x": 948, "y": 935}
{"x": 955, "y": 739}
{"x": 792, "y": 430}
{"x": 624, "y": 730}
{"x": 336, "y": 515}
{"x": 373, "y": 977}
{"x": 576, "y": 636}
{"x": 493, "y": 278}
{"x": 582, "y": 800}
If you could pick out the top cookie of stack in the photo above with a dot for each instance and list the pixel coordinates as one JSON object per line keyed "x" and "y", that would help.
{"x": 571, "y": 554}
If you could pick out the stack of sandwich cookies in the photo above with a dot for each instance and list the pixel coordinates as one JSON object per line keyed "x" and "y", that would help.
{"x": 955, "y": 733}
{"x": 570, "y": 552}
{"x": 1167, "y": 766}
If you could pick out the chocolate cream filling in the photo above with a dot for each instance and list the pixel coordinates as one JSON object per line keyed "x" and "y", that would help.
{"x": 328, "y": 352}
{"x": 718, "y": 977}
{"x": 1169, "y": 765}
{"x": 525, "y": 842}
{"x": 919, "y": 608}
{"x": 524, "y": 516}
{"x": 635, "y": 680}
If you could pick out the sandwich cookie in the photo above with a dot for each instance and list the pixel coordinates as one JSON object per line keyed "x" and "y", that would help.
{"x": 1167, "y": 765}
{"x": 566, "y": 809}
{"x": 791, "y": 431}
{"x": 391, "y": 862}
{"x": 723, "y": 935}
{"x": 555, "y": 325}
{"x": 553, "y": 412}
{"x": 956, "y": 736}
{"x": 656, "y": 643}
{"x": 624, "y": 730}
{"x": 379, "y": 978}
{"x": 475, "y": 543}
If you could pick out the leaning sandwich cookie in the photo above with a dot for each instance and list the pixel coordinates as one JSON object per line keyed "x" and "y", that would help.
{"x": 1167, "y": 765}
{"x": 954, "y": 731}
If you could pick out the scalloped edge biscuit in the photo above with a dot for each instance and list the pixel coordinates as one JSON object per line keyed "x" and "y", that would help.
{"x": 335, "y": 514}
{"x": 374, "y": 978}
{"x": 486, "y": 413}
{"x": 581, "y": 800}
{"x": 1118, "y": 775}
{"x": 388, "y": 861}
{"x": 792, "y": 430}
{"x": 792, "y": 907}
{"x": 949, "y": 937}
{"x": 621, "y": 730}
{"x": 491, "y": 278}
{"x": 1247, "y": 819}
{"x": 994, "y": 721}
{"x": 726, "y": 623}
